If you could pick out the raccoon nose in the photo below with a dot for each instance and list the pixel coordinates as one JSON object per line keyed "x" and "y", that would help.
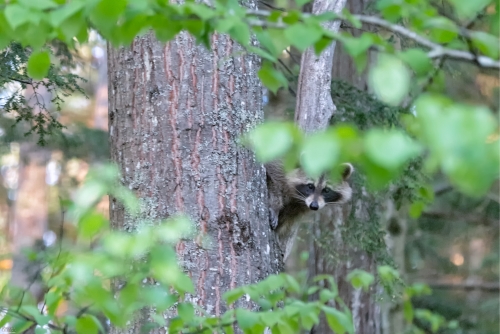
{"x": 314, "y": 206}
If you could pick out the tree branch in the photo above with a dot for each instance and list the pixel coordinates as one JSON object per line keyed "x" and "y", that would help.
{"x": 486, "y": 286}
{"x": 475, "y": 219}
{"x": 436, "y": 50}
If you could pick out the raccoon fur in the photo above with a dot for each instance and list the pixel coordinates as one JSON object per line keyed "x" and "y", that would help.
{"x": 294, "y": 194}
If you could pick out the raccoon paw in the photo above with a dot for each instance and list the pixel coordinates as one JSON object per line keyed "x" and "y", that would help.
{"x": 273, "y": 219}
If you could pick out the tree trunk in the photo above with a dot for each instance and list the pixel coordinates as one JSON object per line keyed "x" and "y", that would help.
{"x": 175, "y": 114}
{"x": 331, "y": 250}
{"x": 314, "y": 99}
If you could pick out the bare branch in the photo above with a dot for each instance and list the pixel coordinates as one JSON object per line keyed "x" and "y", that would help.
{"x": 486, "y": 286}
{"x": 475, "y": 219}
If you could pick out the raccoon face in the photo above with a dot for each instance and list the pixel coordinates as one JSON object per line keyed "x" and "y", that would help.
{"x": 318, "y": 193}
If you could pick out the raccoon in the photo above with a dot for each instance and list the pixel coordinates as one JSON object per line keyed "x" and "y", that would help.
{"x": 294, "y": 194}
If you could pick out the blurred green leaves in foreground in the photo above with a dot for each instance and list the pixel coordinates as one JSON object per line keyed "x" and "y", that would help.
{"x": 457, "y": 139}
{"x": 107, "y": 276}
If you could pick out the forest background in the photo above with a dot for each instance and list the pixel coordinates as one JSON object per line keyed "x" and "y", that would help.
{"x": 415, "y": 86}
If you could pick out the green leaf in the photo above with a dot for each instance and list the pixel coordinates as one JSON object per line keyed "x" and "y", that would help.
{"x": 176, "y": 324}
{"x": 17, "y": 15}
{"x": 339, "y": 322}
{"x": 284, "y": 327}
{"x": 52, "y": 299}
{"x": 201, "y": 10}
{"x": 38, "y": 4}
{"x": 272, "y": 78}
{"x": 469, "y": 9}
{"x": 488, "y": 44}
{"x": 408, "y": 311}
{"x": 233, "y": 295}
{"x": 240, "y": 32}
{"x": 391, "y": 11}
{"x": 38, "y": 65}
{"x": 351, "y": 18}
{"x": 293, "y": 285}
{"x": 356, "y": 46}
{"x": 228, "y": 330}
{"x": 390, "y": 149}
{"x": 270, "y": 318}
{"x": 291, "y": 16}
{"x": 279, "y": 41}
{"x": 416, "y": 209}
{"x": 184, "y": 284}
{"x": 417, "y": 59}
{"x": 91, "y": 224}
{"x": 261, "y": 53}
{"x": 387, "y": 274}
{"x": 280, "y": 134}
{"x": 272, "y": 282}
{"x": 309, "y": 317}
{"x": 34, "y": 312}
{"x": 360, "y": 279}
{"x": 322, "y": 44}
{"x": 6, "y": 317}
{"x": 107, "y": 12}
{"x": 442, "y": 29}
{"x": 302, "y": 36}
{"x": 302, "y": 2}
{"x": 389, "y": 79}
{"x": 320, "y": 152}
{"x": 41, "y": 330}
{"x": 86, "y": 324}
{"x": 457, "y": 137}
{"x": 63, "y": 13}
{"x": 418, "y": 290}
{"x": 74, "y": 26}
{"x": 165, "y": 32}
{"x": 21, "y": 325}
{"x": 326, "y": 295}
{"x": 185, "y": 311}
{"x": 158, "y": 297}
{"x": 247, "y": 319}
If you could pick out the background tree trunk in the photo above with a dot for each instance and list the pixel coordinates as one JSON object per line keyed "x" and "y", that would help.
{"x": 314, "y": 99}
{"x": 330, "y": 249}
{"x": 175, "y": 114}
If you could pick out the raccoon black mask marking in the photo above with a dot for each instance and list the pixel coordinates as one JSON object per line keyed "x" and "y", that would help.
{"x": 294, "y": 194}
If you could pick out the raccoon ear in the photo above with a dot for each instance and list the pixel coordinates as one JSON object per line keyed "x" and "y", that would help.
{"x": 347, "y": 170}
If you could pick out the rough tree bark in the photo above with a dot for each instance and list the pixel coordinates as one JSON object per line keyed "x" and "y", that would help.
{"x": 329, "y": 252}
{"x": 314, "y": 100}
{"x": 175, "y": 113}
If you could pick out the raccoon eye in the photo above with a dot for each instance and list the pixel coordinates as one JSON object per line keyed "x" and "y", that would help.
{"x": 310, "y": 186}
{"x": 326, "y": 191}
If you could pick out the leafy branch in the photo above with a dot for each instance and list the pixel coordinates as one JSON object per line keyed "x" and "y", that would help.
{"x": 436, "y": 50}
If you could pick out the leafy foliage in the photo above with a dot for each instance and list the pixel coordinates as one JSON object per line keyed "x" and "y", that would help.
{"x": 23, "y": 97}
{"x": 123, "y": 272}
{"x": 441, "y": 134}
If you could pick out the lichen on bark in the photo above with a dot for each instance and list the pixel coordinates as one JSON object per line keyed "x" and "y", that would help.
{"x": 176, "y": 111}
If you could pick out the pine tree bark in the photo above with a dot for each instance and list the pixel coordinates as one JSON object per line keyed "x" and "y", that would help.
{"x": 175, "y": 114}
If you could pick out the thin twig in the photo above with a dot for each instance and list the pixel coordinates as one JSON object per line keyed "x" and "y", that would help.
{"x": 427, "y": 83}
{"x": 61, "y": 233}
{"x": 486, "y": 286}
